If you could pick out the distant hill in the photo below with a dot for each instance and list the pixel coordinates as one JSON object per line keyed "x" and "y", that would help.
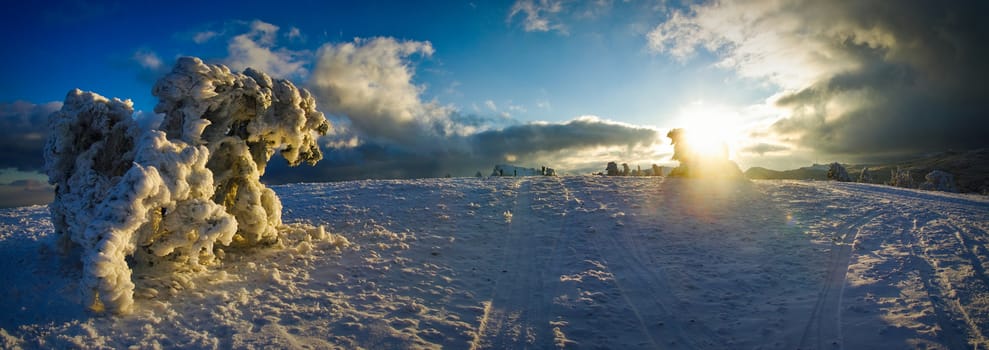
{"x": 970, "y": 168}
{"x": 814, "y": 172}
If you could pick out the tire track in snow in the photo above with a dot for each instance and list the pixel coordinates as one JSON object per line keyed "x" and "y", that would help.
{"x": 651, "y": 302}
{"x": 931, "y": 245}
{"x": 951, "y": 335}
{"x": 517, "y": 315}
{"x": 823, "y": 330}
{"x": 940, "y": 285}
{"x": 947, "y": 283}
{"x": 555, "y": 265}
{"x": 969, "y": 252}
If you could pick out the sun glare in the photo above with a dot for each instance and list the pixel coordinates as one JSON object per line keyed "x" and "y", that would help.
{"x": 711, "y": 130}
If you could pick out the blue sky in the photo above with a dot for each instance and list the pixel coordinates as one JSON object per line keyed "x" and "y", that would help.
{"x": 784, "y": 83}
{"x": 599, "y": 64}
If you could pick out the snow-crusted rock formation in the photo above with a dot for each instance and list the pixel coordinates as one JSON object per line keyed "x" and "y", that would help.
{"x": 697, "y": 164}
{"x": 938, "y": 180}
{"x": 837, "y": 172}
{"x": 167, "y": 197}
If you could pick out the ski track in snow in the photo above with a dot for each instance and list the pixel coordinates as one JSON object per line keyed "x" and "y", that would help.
{"x": 550, "y": 262}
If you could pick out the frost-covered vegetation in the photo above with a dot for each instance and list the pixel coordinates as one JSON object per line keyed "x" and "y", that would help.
{"x": 837, "y": 172}
{"x": 167, "y": 198}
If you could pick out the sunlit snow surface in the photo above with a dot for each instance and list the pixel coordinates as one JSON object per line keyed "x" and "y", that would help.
{"x": 588, "y": 262}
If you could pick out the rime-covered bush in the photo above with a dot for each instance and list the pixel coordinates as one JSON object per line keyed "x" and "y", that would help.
{"x": 938, "y": 180}
{"x": 242, "y": 119}
{"x": 901, "y": 178}
{"x": 837, "y": 172}
{"x": 167, "y": 197}
{"x": 865, "y": 176}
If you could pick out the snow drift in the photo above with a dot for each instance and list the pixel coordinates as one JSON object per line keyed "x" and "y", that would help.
{"x": 127, "y": 198}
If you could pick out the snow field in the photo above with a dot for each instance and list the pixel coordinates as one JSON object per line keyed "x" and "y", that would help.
{"x": 548, "y": 262}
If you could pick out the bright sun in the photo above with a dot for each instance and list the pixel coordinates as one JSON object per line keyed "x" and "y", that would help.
{"x": 711, "y": 130}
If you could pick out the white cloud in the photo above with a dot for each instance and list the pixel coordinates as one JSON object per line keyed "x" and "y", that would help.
{"x": 294, "y": 34}
{"x": 256, "y": 49}
{"x": 758, "y": 39}
{"x": 491, "y": 105}
{"x": 370, "y": 82}
{"x": 544, "y": 104}
{"x": 264, "y": 31}
{"x": 539, "y": 15}
{"x": 147, "y": 59}
{"x": 203, "y": 37}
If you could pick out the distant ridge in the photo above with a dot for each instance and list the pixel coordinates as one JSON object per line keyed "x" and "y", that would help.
{"x": 970, "y": 168}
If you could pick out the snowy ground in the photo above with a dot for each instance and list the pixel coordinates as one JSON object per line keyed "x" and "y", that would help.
{"x": 574, "y": 262}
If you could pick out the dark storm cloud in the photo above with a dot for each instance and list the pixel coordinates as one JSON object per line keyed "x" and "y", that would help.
{"x": 859, "y": 78}
{"x": 763, "y": 148}
{"x": 23, "y": 130}
{"x": 534, "y": 145}
{"x": 580, "y": 133}
{"x": 926, "y": 90}
{"x": 25, "y": 192}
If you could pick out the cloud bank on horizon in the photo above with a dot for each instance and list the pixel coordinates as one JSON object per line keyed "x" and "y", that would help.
{"x": 386, "y": 129}
{"x": 846, "y": 80}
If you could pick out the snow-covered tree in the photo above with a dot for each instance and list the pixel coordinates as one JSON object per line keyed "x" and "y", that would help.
{"x": 865, "y": 176}
{"x": 657, "y": 170}
{"x": 625, "y": 169}
{"x": 612, "y": 169}
{"x": 938, "y": 180}
{"x": 242, "y": 119}
{"x": 166, "y": 197}
{"x": 901, "y": 178}
{"x": 837, "y": 172}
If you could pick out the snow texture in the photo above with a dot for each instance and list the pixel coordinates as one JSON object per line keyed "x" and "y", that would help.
{"x": 584, "y": 262}
{"x": 164, "y": 199}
